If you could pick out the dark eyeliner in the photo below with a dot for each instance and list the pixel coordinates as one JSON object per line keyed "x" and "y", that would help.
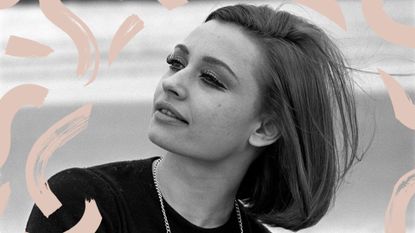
{"x": 213, "y": 79}
{"x": 172, "y": 60}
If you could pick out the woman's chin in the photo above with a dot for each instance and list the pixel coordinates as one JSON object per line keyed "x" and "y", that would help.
{"x": 170, "y": 143}
{"x": 162, "y": 138}
{"x": 156, "y": 137}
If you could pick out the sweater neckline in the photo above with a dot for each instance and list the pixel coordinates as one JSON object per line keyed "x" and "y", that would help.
{"x": 176, "y": 218}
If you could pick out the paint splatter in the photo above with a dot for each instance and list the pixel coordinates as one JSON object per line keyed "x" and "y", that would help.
{"x": 55, "y": 137}
{"x": 395, "y": 214}
{"x": 77, "y": 30}
{"x": 22, "y": 47}
{"x": 171, "y": 4}
{"x": 10, "y": 103}
{"x": 5, "y": 191}
{"x": 7, "y": 3}
{"x": 90, "y": 221}
{"x": 328, "y": 8}
{"x": 385, "y": 26}
{"x": 128, "y": 29}
{"x": 402, "y": 104}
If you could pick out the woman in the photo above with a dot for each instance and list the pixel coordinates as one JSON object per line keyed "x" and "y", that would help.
{"x": 257, "y": 116}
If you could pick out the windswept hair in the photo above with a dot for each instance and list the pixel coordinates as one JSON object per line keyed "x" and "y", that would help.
{"x": 307, "y": 90}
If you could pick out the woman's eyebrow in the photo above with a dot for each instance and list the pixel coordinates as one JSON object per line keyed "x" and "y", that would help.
{"x": 183, "y": 48}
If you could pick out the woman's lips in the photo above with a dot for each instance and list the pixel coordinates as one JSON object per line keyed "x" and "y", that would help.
{"x": 159, "y": 115}
{"x": 167, "y": 109}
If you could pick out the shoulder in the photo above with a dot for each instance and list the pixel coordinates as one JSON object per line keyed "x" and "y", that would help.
{"x": 75, "y": 185}
{"x": 123, "y": 168}
{"x": 100, "y": 181}
{"x": 71, "y": 187}
{"x": 95, "y": 179}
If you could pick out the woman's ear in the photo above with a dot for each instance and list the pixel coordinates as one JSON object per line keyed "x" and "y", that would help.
{"x": 265, "y": 134}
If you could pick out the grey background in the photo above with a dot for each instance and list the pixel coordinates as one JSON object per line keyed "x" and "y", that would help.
{"x": 122, "y": 96}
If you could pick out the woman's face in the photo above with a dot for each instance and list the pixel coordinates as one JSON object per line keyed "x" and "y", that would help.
{"x": 212, "y": 84}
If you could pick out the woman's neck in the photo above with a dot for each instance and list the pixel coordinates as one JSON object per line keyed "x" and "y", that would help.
{"x": 202, "y": 192}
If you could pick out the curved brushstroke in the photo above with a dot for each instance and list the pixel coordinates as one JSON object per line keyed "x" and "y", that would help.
{"x": 79, "y": 32}
{"x": 90, "y": 221}
{"x": 329, "y": 8}
{"x": 10, "y": 103}
{"x": 7, "y": 3}
{"x": 22, "y": 47}
{"x": 129, "y": 28}
{"x": 385, "y": 26}
{"x": 403, "y": 191}
{"x": 402, "y": 104}
{"x": 55, "y": 137}
{"x": 5, "y": 191}
{"x": 171, "y": 4}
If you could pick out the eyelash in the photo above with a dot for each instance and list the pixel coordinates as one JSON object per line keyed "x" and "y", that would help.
{"x": 211, "y": 77}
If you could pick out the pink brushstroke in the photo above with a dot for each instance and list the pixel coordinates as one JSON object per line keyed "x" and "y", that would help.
{"x": 10, "y": 103}
{"x": 22, "y": 47}
{"x": 395, "y": 214}
{"x": 171, "y": 4}
{"x": 90, "y": 221}
{"x": 128, "y": 29}
{"x": 385, "y": 26}
{"x": 55, "y": 137}
{"x": 79, "y": 32}
{"x": 402, "y": 104}
{"x": 329, "y": 8}
{"x": 7, "y": 3}
{"x": 5, "y": 191}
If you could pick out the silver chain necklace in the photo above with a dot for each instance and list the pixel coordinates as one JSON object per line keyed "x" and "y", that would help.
{"x": 163, "y": 211}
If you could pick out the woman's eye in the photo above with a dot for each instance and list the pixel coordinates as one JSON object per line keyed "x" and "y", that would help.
{"x": 175, "y": 63}
{"x": 211, "y": 80}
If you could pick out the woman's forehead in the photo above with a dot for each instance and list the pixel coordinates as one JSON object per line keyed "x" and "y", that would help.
{"x": 226, "y": 42}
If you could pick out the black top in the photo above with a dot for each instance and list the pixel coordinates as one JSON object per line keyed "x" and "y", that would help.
{"x": 127, "y": 201}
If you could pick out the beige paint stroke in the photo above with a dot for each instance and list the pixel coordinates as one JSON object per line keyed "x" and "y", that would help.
{"x": 329, "y": 8}
{"x": 395, "y": 214}
{"x": 7, "y": 3}
{"x": 402, "y": 104}
{"x": 128, "y": 29}
{"x": 79, "y": 32}
{"x": 90, "y": 221}
{"x": 385, "y": 26}
{"x": 10, "y": 103}
{"x": 55, "y": 137}
{"x": 5, "y": 192}
{"x": 171, "y": 4}
{"x": 22, "y": 47}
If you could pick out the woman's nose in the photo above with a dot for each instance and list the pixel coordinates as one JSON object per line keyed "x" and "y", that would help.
{"x": 175, "y": 86}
